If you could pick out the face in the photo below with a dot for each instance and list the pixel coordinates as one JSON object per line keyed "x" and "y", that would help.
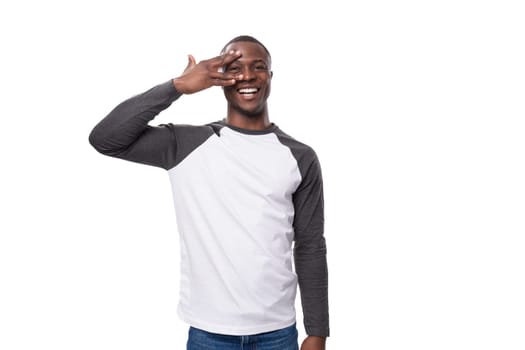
{"x": 248, "y": 96}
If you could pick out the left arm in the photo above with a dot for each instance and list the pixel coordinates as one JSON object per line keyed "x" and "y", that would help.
{"x": 310, "y": 255}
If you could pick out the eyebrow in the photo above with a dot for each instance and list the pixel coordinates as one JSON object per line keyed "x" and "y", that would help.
{"x": 257, "y": 60}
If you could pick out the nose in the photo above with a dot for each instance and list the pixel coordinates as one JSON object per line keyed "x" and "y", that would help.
{"x": 248, "y": 74}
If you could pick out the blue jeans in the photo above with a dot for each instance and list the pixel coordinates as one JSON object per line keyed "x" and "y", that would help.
{"x": 283, "y": 339}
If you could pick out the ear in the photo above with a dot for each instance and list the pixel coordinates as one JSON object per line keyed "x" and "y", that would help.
{"x": 271, "y": 74}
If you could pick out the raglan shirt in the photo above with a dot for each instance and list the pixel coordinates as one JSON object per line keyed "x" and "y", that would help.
{"x": 242, "y": 199}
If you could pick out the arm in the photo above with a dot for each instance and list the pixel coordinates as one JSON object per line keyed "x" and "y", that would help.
{"x": 125, "y": 133}
{"x": 310, "y": 256}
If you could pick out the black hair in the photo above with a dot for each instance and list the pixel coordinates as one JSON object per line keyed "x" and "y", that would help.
{"x": 245, "y": 38}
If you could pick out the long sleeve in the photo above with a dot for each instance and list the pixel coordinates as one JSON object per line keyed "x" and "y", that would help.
{"x": 310, "y": 249}
{"x": 125, "y": 133}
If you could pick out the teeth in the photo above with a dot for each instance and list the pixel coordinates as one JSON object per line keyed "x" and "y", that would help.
{"x": 248, "y": 91}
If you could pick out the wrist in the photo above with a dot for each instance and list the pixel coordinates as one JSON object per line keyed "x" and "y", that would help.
{"x": 179, "y": 85}
{"x": 314, "y": 342}
{"x": 317, "y": 339}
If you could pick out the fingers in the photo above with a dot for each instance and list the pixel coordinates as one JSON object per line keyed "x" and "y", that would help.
{"x": 229, "y": 57}
{"x": 223, "y": 82}
{"x": 191, "y": 61}
{"x": 225, "y": 76}
{"x": 207, "y": 73}
{"x": 225, "y": 59}
{"x": 224, "y": 79}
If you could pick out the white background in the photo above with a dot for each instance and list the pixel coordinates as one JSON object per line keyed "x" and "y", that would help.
{"x": 415, "y": 109}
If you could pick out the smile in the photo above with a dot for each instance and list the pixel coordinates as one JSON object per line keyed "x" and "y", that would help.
{"x": 247, "y": 91}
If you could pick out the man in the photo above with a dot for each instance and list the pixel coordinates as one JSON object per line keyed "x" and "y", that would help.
{"x": 244, "y": 191}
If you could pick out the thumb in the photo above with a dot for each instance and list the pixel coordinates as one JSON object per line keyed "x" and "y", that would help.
{"x": 191, "y": 62}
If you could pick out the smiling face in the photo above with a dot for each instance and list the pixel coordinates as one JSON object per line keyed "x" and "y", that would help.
{"x": 248, "y": 96}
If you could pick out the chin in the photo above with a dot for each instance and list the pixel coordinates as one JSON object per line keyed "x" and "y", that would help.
{"x": 251, "y": 113}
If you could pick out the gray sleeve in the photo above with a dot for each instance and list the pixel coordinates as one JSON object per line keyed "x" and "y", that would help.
{"x": 310, "y": 248}
{"x": 124, "y": 133}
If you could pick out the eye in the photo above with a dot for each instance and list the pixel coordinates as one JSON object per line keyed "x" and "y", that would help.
{"x": 261, "y": 67}
{"x": 233, "y": 69}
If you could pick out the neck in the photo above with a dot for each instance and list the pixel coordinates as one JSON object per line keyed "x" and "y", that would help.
{"x": 255, "y": 122}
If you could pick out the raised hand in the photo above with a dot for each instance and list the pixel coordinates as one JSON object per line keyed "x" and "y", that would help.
{"x": 206, "y": 73}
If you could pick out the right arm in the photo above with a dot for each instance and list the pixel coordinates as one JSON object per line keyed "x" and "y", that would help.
{"x": 125, "y": 133}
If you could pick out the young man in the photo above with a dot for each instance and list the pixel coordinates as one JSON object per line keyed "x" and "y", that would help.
{"x": 244, "y": 191}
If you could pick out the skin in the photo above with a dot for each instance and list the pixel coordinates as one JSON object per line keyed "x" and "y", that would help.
{"x": 243, "y": 65}
{"x": 249, "y": 111}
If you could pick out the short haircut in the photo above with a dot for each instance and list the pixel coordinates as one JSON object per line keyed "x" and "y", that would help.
{"x": 245, "y": 38}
